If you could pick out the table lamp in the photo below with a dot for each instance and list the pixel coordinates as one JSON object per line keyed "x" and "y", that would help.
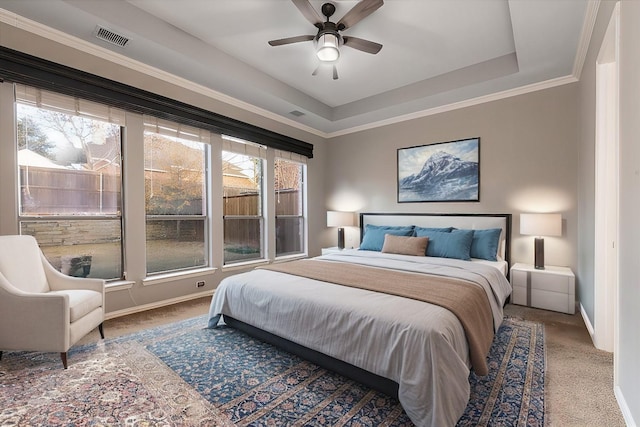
{"x": 340, "y": 219}
{"x": 539, "y": 225}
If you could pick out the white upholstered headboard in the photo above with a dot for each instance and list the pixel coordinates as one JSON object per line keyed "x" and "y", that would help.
{"x": 466, "y": 221}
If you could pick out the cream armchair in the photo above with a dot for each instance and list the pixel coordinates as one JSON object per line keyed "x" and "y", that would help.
{"x": 41, "y": 309}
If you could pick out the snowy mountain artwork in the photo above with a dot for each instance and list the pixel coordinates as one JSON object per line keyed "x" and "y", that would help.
{"x": 442, "y": 172}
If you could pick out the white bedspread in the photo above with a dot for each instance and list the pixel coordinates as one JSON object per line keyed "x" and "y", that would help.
{"x": 420, "y": 346}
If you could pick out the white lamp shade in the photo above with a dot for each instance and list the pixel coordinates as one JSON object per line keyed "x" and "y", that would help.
{"x": 536, "y": 224}
{"x": 340, "y": 219}
{"x": 327, "y": 49}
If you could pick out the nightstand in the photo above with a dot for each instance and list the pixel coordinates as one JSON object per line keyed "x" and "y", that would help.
{"x": 551, "y": 289}
{"x": 333, "y": 250}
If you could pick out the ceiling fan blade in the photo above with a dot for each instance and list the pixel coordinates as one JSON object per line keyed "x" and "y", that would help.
{"x": 309, "y": 12}
{"x": 290, "y": 40}
{"x": 359, "y": 12}
{"x": 362, "y": 44}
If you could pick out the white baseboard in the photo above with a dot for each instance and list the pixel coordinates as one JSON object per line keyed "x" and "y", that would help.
{"x": 587, "y": 322}
{"x": 151, "y": 306}
{"x": 626, "y": 412}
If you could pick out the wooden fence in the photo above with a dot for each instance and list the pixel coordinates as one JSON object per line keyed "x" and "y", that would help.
{"x": 245, "y": 232}
{"x": 287, "y": 203}
{"x": 64, "y": 191}
{"x": 67, "y": 192}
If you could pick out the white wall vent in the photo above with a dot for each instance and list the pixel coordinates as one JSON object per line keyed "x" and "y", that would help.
{"x": 110, "y": 36}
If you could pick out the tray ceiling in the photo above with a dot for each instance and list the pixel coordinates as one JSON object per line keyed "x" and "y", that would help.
{"x": 436, "y": 54}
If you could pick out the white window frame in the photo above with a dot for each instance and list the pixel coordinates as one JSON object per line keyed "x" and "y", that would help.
{"x": 72, "y": 106}
{"x": 252, "y": 149}
{"x": 202, "y": 136}
{"x": 301, "y": 160}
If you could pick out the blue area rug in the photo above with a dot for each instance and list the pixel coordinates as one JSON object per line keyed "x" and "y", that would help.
{"x": 182, "y": 374}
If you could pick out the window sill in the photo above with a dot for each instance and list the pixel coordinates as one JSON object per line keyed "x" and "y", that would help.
{"x": 255, "y": 263}
{"x": 290, "y": 257}
{"x": 119, "y": 285}
{"x": 245, "y": 264}
{"x": 170, "y": 277}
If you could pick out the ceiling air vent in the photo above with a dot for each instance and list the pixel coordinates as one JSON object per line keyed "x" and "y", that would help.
{"x": 296, "y": 113}
{"x": 110, "y": 37}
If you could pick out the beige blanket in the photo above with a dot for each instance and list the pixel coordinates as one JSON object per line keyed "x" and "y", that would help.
{"x": 464, "y": 299}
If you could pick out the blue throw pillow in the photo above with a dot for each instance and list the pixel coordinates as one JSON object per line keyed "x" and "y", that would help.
{"x": 373, "y": 239}
{"x": 485, "y": 244}
{"x": 425, "y": 230}
{"x": 452, "y": 244}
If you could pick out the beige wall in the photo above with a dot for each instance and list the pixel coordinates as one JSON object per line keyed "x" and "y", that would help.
{"x": 528, "y": 163}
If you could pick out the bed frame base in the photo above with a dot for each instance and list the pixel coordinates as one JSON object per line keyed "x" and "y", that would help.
{"x": 360, "y": 375}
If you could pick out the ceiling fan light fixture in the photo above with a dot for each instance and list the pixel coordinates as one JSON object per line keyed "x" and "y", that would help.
{"x": 327, "y": 49}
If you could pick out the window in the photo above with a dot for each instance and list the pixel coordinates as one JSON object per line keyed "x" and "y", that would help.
{"x": 69, "y": 174}
{"x": 242, "y": 177}
{"x": 71, "y": 185}
{"x": 176, "y": 176}
{"x": 289, "y": 199}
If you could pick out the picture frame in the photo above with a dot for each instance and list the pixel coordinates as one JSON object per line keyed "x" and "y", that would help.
{"x": 440, "y": 172}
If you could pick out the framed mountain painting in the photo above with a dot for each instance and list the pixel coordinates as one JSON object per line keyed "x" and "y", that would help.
{"x": 441, "y": 172}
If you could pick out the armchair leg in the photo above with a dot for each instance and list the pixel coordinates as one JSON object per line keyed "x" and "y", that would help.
{"x": 101, "y": 330}
{"x": 63, "y": 356}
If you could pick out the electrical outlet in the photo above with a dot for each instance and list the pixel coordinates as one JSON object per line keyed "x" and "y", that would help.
{"x": 199, "y": 283}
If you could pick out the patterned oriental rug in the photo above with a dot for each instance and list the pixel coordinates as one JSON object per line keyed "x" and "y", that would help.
{"x": 184, "y": 375}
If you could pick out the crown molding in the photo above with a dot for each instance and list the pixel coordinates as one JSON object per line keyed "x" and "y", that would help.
{"x": 585, "y": 36}
{"x": 462, "y": 104}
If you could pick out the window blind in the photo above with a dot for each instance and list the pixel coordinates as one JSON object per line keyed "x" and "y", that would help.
{"x": 68, "y": 104}
{"x": 175, "y": 130}
{"x": 288, "y": 155}
{"x": 19, "y": 67}
{"x": 240, "y": 146}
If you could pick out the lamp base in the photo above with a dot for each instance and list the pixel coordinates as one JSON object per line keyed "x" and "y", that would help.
{"x": 539, "y": 253}
{"x": 341, "y": 238}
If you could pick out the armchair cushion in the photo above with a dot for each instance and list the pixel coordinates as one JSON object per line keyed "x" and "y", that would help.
{"x": 81, "y": 302}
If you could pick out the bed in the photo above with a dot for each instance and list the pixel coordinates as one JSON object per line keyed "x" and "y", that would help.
{"x": 395, "y": 340}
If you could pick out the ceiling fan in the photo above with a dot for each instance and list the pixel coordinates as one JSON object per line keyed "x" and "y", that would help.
{"x": 328, "y": 39}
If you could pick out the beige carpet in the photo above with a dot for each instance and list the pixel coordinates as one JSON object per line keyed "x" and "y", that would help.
{"x": 579, "y": 383}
